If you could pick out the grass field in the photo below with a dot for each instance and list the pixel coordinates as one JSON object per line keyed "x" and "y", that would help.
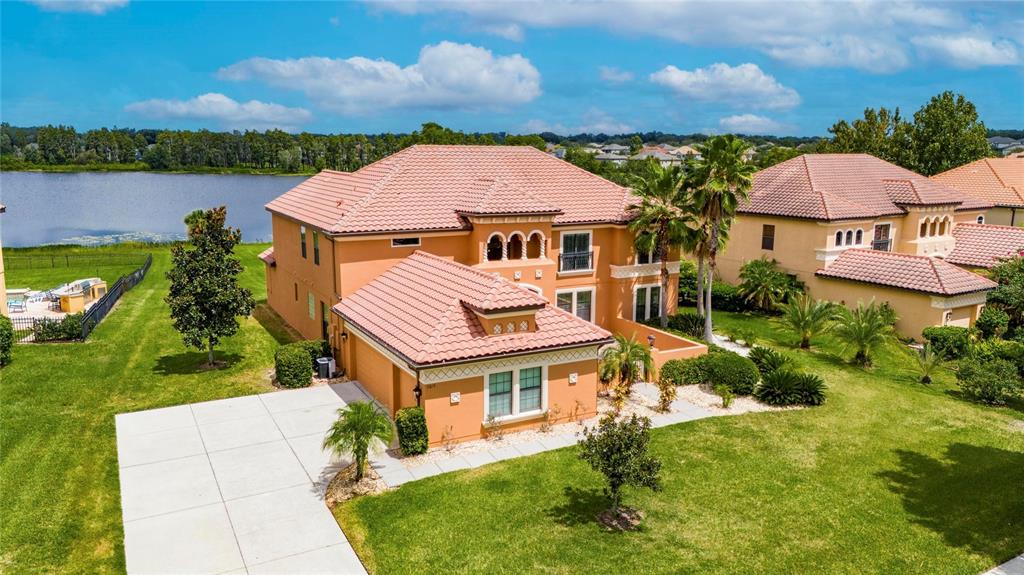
{"x": 44, "y": 268}
{"x": 60, "y": 509}
{"x": 889, "y": 476}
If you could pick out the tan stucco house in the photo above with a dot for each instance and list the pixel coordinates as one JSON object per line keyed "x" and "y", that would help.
{"x": 855, "y": 228}
{"x": 999, "y": 181}
{"x": 399, "y": 266}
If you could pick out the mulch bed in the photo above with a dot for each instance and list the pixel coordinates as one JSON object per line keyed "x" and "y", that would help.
{"x": 626, "y": 519}
{"x": 344, "y": 486}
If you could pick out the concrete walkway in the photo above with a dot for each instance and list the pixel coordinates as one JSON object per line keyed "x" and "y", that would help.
{"x": 233, "y": 486}
{"x": 1014, "y": 566}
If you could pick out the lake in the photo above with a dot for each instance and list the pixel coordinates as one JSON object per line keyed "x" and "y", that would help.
{"x": 98, "y": 208}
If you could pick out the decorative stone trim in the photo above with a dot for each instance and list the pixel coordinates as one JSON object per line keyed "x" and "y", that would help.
{"x": 951, "y": 302}
{"x": 642, "y": 270}
{"x": 479, "y": 368}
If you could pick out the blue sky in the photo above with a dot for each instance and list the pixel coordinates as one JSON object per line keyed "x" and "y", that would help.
{"x": 783, "y": 68}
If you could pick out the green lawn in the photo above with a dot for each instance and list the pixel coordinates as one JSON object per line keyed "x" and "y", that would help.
{"x": 889, "y": 476}
{"x": 60, "y": 508}
{"x": 50, "y": 268}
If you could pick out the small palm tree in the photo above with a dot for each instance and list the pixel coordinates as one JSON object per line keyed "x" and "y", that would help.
{"x": 764, "y": 284}
{"x": 864, "y": 328}
{"x": 359, "y": 427}
{"x": 626, "y": 360}
{"x": 660, "y": 218}
{"x": 808, "y": 317}
{"x": 928, "y": 362}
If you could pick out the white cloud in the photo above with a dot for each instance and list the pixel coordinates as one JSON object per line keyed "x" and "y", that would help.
{"x": 86, "y": 6}
{"x": 870, "y": 35}
{"x": 446, "y": 75}
{"x": 968, "y": 51}
{"x": 508, "y": 31}
{"x": 752, "y": 124}
{"x": 614, "y": 75}
{"x": 593, "y": 121}
{"x": 334, "y": 21}
{"x": 225, "y": 111}
{"x": 744, "y": 85}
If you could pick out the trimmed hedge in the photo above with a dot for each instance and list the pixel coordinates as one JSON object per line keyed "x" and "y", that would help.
{"x": 6, "y": 340}
{"x": 673, "y": 370}
{"x": 292, "y": 365}
{"x": 68, "y": 328}
{"x": 951, "y": 341}
{"x": 411, "y": 423}
{"x": 786, "y": 387}
{"x": 316, "y": 348}
{"x": 720, "y": 367}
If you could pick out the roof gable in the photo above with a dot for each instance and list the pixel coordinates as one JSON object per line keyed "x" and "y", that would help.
{"x": 999, "y": 181}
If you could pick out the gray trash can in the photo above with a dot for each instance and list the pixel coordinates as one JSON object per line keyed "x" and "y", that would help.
{"x": 323, "y": 367}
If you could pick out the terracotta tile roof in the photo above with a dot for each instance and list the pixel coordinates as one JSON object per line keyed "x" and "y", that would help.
{"x": 267, "y": 256}
{"x": 489, "y": 196}
{"x": 422, "y": 309}
{"x": 999, "y": 181}
{"x": 419, "y": 189}
{"x": 842, "y": 186}
{"x": 905, "y": 271}
{"x": 983, "y": 245}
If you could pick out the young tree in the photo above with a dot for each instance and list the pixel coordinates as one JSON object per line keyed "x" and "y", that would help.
{"x": 618, "y": 450}
{"x": 723, "y": 179}
{"x": 359, "y": 427}
{"x": 660, "y": 219}
{"x": 947, "y": 133}
{"x": 204, "y": 297}
{"x": 928, "y": 362}
{"x": 808, "y": 317}
{"x": 627, "y": 360}
{"x": 864, "y": 328}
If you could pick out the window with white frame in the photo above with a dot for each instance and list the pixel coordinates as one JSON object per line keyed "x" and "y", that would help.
{"x": 579, "y": 302}
{"x": 515, "y": 392}
{"x": 646, "y": 302}
{"x": 981, "y": 219}
{"x": 650, "y": 257}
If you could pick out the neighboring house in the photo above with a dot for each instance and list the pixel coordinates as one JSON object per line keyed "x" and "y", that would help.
{"x": 985, "y": 245}
{"x": 617, "y": 159}
{"x": 999, "y": 181}
{"x": 687, "y": 152}
{"x": 1005, "y": 145}
{"x": 425, "y": 250}
{"x": 664, "y": 158}
{"x": 614, "y": 149}
{"x": 832, "y": 219}
{"x": 3, "y": 277}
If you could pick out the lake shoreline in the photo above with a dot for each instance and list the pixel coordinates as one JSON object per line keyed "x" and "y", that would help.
{"x": 143, "y": 168}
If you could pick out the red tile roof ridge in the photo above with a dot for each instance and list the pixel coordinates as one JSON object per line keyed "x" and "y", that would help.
{"x": 368, "y": 197}
{"x": 987, "y": 226}
{"x": 496, "y": 281}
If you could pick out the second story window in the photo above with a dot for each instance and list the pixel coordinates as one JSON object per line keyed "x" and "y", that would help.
{"x": 881, "y": 241}
{"x": 302, "y": 239}
{"x": 404, "y": 242}
{"x": 767, "y": 237}
{"x": 495, "y": 248}
{"x": 316, "y": 247}
{"x": 650, "y": 257}
{"x": 576, "y": 253}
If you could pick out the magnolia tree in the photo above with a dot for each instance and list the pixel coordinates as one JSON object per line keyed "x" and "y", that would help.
{"x": 204, "y": 297}
{"x": 618, "y": 450}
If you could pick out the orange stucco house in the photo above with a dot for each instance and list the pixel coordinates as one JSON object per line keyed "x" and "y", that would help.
{"x": 406, "y": 268}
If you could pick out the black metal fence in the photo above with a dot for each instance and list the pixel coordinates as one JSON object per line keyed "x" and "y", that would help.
{"x": 46, "y": 261}
{"x": 78, "y": 326}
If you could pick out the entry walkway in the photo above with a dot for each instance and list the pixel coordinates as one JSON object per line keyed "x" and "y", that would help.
{"x": 233, "y": 486}
{"x": 1014, "y": 566}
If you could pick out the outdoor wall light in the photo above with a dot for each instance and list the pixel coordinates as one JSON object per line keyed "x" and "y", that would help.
{"x": 650, "y": 340}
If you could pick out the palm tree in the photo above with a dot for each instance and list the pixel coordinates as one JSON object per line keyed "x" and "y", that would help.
{"x": 626, "y": 360}
{"x": 808, "y": 317}
{"x": 660, "y": 218}
{"x": 722, "y": 180}
{"x": 763, "y": 284}
{"x": 927, "y": 362}
{"x": 359, "y": 427}
{"x": 864, "y": 328}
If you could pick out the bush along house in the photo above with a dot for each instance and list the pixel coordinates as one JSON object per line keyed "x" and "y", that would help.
{"x": 475, "y": 281}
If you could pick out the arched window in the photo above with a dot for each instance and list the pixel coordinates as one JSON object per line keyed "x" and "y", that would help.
{"x": 495, "y": 248}
{"x": 535, "y": 246}
{"x": 934, "y": 227}
{"x": 515, "y": 247}
{"x": 860, "y": 236}
{"x": 839, "y": 239}
{"x": 981, "y": 219}
{"x": 849, "y": 237}
{"x": 942, "y": 227}
{"x": 924, "y": 229}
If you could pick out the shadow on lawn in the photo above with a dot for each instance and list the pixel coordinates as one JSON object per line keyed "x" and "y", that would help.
{"x": 275, "y": 326}
{"x": 971, "y": 497}
{"x": 192, "y": 362}
{"x": 581, "y": 507}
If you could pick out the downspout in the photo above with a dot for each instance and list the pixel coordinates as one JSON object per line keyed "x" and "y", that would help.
{"x": 1013, "y": 215}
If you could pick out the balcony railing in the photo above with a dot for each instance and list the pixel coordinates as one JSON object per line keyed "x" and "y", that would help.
{"x": 881, "y": 245}
{"x": 573, "y": 262}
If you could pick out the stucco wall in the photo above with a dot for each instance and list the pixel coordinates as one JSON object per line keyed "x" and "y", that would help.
{"x": 294, "y": 274}
{"x": 997, "y": 216}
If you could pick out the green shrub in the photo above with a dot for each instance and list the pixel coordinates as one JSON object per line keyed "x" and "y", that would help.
{"x": 316, "y": 348}
{"x": 689, "y": 323}
{"x": 994, "y": 381}
{"x": 787, "y": 387}
{"x": 949, "y": 340}
{"x": 724, "y": 296}
{"x": 411, "y": 423}
{"x": 65, "y": 329}
{"x": 723, "y": 391}
{"x": 6, "y": 340}
{"x": 694, "y": 370}
{"x": 992, "y": 322}
{"x": 768, "y": 360}
{"x": 733, "y": 370}
{"x": 673, "y": 370}
{"x": 292, "y": 365}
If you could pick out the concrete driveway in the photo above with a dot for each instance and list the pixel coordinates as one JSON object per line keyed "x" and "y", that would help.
{"x": 233, "y": 486}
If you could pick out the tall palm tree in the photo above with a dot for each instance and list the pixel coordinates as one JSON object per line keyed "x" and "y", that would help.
{"x": 864, "y": 328}
{"x": 359, "y": 427}
{"x": 626, "y": 360}
{"x": 660, "y": 218}
{"x": 808, "y": 317}
{"x": 722, "y": 180}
